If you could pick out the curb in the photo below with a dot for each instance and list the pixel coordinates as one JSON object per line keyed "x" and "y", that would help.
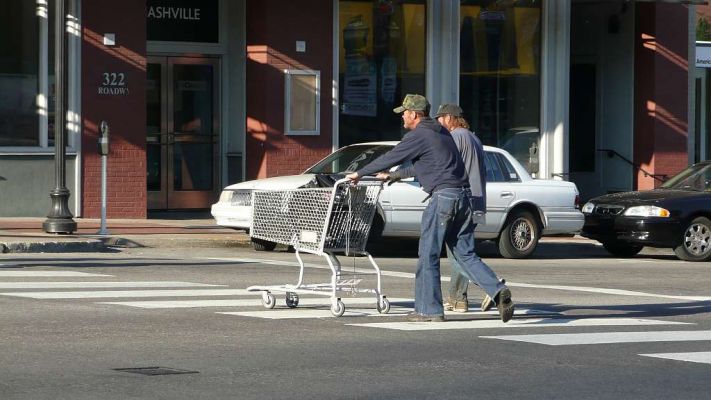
{"x": 53, "y": 247}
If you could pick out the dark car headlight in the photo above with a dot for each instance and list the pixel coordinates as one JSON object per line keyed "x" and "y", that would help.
{"x": 647, "y": 211}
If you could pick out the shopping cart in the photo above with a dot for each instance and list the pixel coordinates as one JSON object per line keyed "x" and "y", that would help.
{"x": 320, "y": 221}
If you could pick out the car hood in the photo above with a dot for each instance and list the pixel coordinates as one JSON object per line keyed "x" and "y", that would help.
{"x": 275, "y": 183}
{"x": 655, "y": 196}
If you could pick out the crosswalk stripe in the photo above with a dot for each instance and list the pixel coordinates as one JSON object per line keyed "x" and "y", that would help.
{"x": 517, "y": 323}
{"x": 616, "y": 292}
{"x": 567, "y": 339}
{"x": 29, "y": 274}
{"x": 130, "y": 293}
{"x": 305, "y": 313}
{"x": 255, "y": 302}
{"x": 73, "y": 285}
{"x": 315, "y": 313}
{"x": 703, "y": 357}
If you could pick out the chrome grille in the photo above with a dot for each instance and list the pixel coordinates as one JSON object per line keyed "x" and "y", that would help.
{"x": 608, "y": 209}
{"x": 241, "y": 198}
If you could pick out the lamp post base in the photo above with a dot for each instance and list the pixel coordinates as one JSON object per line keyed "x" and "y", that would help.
{"x": 60, "y": 218}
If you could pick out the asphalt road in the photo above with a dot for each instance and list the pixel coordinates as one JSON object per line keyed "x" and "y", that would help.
{"x": 588, "y": 326}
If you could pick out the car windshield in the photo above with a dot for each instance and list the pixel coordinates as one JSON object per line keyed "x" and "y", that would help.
{"x": 696, "y": 177}
{"x": 349, "y": 159}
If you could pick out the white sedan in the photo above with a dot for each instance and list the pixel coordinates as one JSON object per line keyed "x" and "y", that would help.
{"x": 520, "y": 209}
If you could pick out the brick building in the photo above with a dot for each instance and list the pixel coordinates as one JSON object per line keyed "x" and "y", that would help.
{"x": 200, "y": 94}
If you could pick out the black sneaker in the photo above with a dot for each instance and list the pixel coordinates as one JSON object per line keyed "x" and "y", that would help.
{"x": 417, "y": 317}
{"x": 505, "y": 305}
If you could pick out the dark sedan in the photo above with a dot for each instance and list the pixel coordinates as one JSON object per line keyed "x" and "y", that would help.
{"x": 676, "y": 215}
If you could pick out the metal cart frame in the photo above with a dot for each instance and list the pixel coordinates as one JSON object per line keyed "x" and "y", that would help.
{"x": 320, "y": 221}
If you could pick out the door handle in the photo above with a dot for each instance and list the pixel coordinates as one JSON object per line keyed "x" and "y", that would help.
{"x": 506, "y": 195}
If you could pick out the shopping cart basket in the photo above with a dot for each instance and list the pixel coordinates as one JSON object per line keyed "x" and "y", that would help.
{"x": 320, "y": 221}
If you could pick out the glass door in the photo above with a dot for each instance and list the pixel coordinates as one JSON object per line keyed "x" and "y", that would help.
{"x": 182, "y": 132}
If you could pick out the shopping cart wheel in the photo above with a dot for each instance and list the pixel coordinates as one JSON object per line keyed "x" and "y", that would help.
{"x": 338, "y": 309}
{"x": 268, "y": 300}
{"x": 292, "y": 299}
{"x": 383, "y": 306}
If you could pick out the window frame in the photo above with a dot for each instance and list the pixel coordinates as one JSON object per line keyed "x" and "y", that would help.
{"x": 288, "y": 73}
{"x": 73, "y": 120}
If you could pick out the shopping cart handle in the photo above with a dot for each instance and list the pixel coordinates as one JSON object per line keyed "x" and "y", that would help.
{"x": 346, "y": 180}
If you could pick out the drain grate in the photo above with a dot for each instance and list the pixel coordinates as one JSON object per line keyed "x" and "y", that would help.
{"x": 155, "y": 371}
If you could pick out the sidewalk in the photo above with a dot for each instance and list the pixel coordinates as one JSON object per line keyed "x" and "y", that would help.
{"x": 25, "y": 235}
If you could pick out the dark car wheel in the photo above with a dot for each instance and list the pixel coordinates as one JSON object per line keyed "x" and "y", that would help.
{"x": 263, "y": 245}
{"x": 622, "y": 249}
{"x": 696, "y": 243}
{"x": 520, "y": 235}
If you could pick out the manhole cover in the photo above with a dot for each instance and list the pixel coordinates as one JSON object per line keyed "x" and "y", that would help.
{"x": 155, "y": 371}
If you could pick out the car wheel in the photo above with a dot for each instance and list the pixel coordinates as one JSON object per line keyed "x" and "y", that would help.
{"x": 520, "y": 235}
{"x": 622, "y": 249}
{"x": 696, "y": 243}
{"x": 263, "y": 245}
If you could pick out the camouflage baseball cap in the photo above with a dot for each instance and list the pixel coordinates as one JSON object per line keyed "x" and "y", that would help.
{"x": 413, "y": 102}
{"x": 449, "y": 109}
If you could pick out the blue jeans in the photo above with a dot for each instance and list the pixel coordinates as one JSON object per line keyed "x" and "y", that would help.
{"x": 448, "y": 219}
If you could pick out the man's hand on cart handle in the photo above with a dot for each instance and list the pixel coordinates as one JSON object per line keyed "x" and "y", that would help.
{"x": 353, "y": 176}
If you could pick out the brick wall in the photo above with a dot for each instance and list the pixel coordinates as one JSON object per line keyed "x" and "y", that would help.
{"x": 661, "y": 89}
{"x": 272, "y": 32}
{"x": 125, "y": 113}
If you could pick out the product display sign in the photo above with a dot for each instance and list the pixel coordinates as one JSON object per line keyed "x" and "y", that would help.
{"x": 183, "y": 20}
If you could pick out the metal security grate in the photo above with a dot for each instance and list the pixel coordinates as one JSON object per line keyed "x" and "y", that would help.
{"x": 155, "y": 371}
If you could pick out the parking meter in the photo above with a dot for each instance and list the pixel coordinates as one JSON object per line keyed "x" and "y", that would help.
{"x": 104, "y": 139}
{"x": 104, "y": 152}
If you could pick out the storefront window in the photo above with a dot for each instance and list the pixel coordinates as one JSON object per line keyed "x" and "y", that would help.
{"x": 382, "y": 58}
{"x": 499, "y": 83}
{"x": 19, "y": 75}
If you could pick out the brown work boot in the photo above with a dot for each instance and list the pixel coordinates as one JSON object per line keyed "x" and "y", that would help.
{"x": 487, "y": 303}
{"x": 417, "y": 317}
{"x": 456, "y": 305}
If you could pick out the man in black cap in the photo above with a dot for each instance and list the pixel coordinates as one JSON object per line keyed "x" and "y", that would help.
{"x": 448, "y": 216}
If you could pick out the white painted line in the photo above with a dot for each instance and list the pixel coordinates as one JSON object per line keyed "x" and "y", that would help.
{"x": 130, "y": 293}
{"x": 73, "y": 285}
{"x": 703, "y": 357}
{"x": 13, "y": 274}
{"x": 568, "y": 339}
{"x": 316, "y": 313}
{"x": 395, "y": 311}
{"x": 319, "y": 266}
{"x": 617, "y": 292}
{"x": 255, "y": 302}
{"x": 516, "y": 323}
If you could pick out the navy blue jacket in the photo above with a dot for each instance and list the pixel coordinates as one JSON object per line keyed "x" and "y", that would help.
{"x": 434, "y": 157}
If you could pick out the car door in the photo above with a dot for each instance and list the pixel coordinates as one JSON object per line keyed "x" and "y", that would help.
{"x": 501, "y": 187}
{"x": 405, "y": 207}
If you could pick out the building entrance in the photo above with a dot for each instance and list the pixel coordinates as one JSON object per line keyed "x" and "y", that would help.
{"x": 182, "y": 132}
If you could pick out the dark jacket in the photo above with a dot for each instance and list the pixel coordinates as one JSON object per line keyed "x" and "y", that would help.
{"x": 435, "y": 158}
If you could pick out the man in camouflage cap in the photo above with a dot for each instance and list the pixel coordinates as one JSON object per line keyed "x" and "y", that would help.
{"x": 447, "y": 218}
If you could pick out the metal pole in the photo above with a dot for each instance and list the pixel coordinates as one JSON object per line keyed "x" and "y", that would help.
{"x": 104, "y": 151}
{"x": 60, "y": 219}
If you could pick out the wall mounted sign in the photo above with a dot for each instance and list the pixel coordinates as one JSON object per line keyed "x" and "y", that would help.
{"x": 113, "y": 84}
{"x": 703, "y": 55}
{"x": 183, "y": 20}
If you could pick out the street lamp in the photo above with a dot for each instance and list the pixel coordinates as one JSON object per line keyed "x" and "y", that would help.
{"x": 60, "y": 219}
